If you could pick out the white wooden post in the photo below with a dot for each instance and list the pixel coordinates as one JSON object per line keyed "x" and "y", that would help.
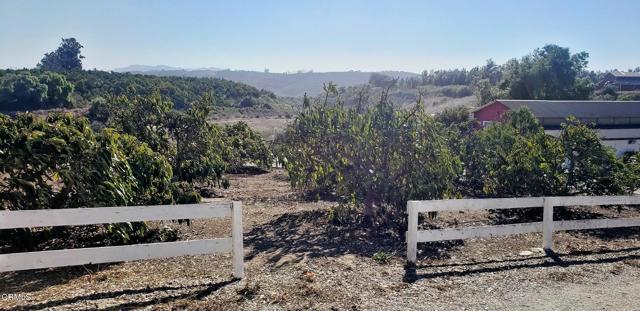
{"x": 412, "y": 232}
{"x": 236, "y": 237}
{"x": 547, "y": 225}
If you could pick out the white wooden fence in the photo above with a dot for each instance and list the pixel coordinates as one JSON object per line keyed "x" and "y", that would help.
{"x": 547, "y": 226}
{"x": 102, "y": 215}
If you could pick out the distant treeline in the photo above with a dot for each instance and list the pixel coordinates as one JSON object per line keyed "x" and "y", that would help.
{"x": 32, "y": 89}
{"x": 550, "y": 72}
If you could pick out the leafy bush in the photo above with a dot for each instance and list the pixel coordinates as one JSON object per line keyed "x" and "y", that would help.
{"x": 24, "y": 91}
{"x": 198, "y": 151}
{"x": 378, "y": 159}
{"x": 382, "y": 257}
{"x": 200, "y": 147}
{"x": 631, "y": 162}
{"x": 58, "y": 90}
{"x": 152, "y": 171}
{"x": 194, "y": 147}
{"x": 59, "y": 162}
{"x": 516, "y": 158}
{"x": 591, "y": 167}
{"x": 343, "y": 214}
{"x": 245, "y": 147}
{"x": 457, "y": 115}
{"x": 46, "y": 161}
{"x": 184, "y": 193}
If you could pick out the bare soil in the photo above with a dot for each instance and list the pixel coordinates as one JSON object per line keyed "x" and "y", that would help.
{"x": 267, "y": 126}
{"x": 296, "y": 260}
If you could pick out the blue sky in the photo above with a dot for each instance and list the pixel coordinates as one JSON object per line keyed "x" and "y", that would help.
{"x": 318, "y": 35}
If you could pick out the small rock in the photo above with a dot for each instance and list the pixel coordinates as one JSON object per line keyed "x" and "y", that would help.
{"x": 537, "y": 250}
{"x": 525, "y": 253}
{"x": 309, "y": 276}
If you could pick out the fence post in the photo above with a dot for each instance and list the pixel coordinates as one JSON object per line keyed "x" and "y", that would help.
{"x": 547, "y": 224}
{"x": 412, "y": 232}
{"x": 236, "y": 238}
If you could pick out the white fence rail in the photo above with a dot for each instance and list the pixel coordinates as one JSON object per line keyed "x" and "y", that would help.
{"x": 102, "y": 215}
{"x": 547, "y": 226}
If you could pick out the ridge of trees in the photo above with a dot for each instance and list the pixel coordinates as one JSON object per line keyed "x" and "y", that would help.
{"x": 60, "y": 82}
{"x": 549, "y": 72}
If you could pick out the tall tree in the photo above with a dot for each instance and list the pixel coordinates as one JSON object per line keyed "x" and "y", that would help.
{"x": 550, "y": 72}
{"x": 66, "y": 58}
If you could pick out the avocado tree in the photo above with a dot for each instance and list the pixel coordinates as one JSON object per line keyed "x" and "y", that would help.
{"x": 27, "y": 91}
{"x": 59, "y": 162}
{"x": 375, "y": 160}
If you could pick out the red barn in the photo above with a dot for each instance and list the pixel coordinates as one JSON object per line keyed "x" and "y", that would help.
{"x": 617, "y": 122}
{"x": 490, "y": 113}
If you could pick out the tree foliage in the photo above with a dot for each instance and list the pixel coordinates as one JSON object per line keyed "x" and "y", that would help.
{"x": 550, "y": 72}
{"x": 198, "y": 151}
{"x": 245, "y": 146}
{"x": 591, "y": 167}
{"x": 517, "y": 158}
{"x": 26, "y": 91}
{"x": 65, "y": 58}
{"x": 377, "y": 159}
{"x": 59, "y": 162}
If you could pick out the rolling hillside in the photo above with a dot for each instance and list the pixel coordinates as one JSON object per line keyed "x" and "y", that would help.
{"x": 282, "y": 84}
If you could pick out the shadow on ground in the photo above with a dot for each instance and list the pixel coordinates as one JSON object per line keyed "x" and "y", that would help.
{"x": 35, "y": 280}
{"x": 195, "y": 292}
{"x": 425, "y": 271}
{"x": 309, "y": 234}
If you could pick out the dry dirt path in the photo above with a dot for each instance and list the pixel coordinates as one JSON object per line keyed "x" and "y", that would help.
{"x": 296, "y": 261}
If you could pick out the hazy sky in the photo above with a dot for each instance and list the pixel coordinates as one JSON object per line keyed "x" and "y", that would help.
{"x": 318, "y": 35}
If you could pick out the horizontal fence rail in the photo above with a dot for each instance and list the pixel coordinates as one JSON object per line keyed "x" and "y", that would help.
{"x": 547, "y": 226}
{"x": 104, "y": 215}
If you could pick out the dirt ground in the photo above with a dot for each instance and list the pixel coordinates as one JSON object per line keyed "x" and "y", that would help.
{"x": 268, "y": 127}
{"x": 296, "y": 260}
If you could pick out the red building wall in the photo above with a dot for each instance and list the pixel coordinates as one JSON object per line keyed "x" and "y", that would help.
{"x": 492, "y": 112}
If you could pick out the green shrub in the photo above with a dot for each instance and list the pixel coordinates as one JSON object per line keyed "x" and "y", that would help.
{"x": 343, "y": 214}
{"x": 516, "y": 158}
{"x": 245, "y": 147}
{"x": 198, "y": 151}
{"x": 591, "y": 167}
{"x": 184, "y": 193}
{"x": 26, "y": 91}
{"x": 59, "y": 162}
{"x": 377, "y": 159}
{"x": 382, "y": 257}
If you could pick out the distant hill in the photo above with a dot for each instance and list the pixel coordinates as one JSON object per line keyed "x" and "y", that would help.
{"x": 282, "y": 84}
{"x": 147, "y": 68}
{"x": 85, "y": 86}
